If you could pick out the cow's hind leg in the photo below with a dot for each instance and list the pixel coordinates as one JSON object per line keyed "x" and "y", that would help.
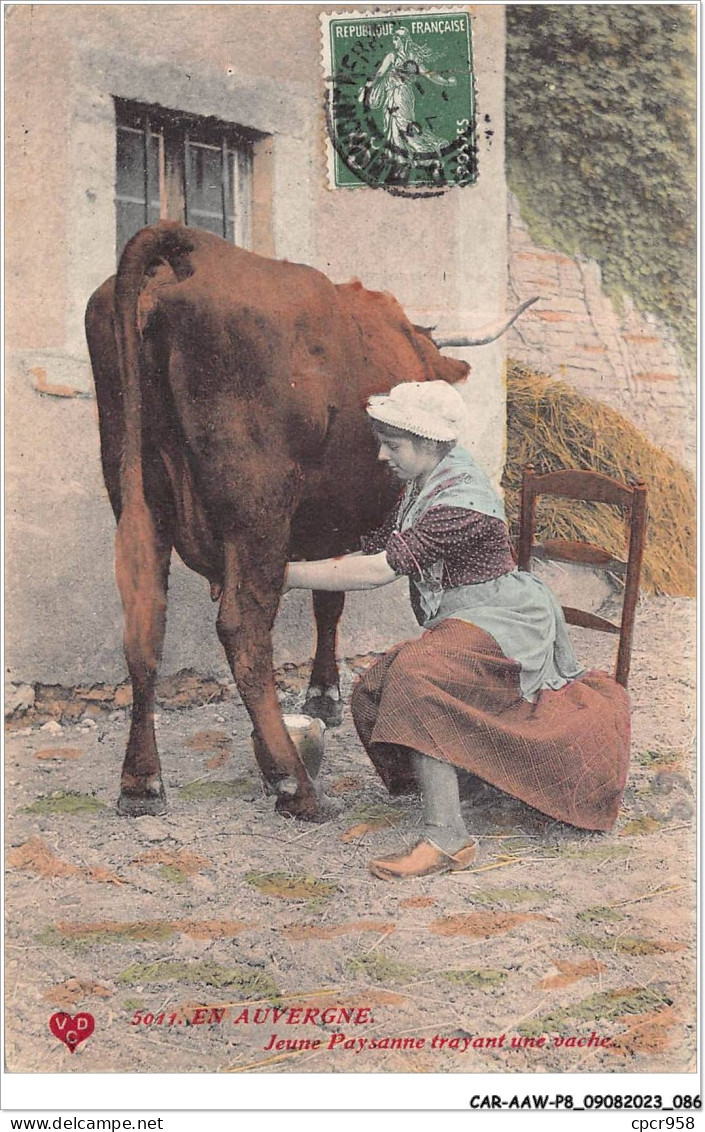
{"x": 143, "y": 552}
{"x": 252, "y": 585}
{"x": 323, "y": 699}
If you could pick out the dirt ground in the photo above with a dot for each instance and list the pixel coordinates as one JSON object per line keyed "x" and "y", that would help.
{"x": 194, "y": 938}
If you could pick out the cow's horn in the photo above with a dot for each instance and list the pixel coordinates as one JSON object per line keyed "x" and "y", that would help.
{"x": 489, "y": 333}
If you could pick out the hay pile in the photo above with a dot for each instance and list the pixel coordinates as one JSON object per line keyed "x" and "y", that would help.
{"x": 553, "y": 427}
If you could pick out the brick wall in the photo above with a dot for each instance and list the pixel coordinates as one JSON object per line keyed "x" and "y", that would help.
{"x": 575, "y": 333}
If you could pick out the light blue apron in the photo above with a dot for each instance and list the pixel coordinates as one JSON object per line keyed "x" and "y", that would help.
{"x": 520, "y": 612}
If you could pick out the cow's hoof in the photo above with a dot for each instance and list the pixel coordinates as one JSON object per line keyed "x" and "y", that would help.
{"x": 269, "y": 789}
{"x": 140, "y": 805}
{"x": 285, "y": 787}
{"x": 302, "y": 806}
{"x": 325, "y": 708}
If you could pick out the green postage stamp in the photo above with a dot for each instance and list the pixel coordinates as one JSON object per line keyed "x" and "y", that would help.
{"x": 400, "y": 104}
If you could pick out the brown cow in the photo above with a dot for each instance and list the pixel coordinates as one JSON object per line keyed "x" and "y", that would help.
{"x": 230, "y": 394}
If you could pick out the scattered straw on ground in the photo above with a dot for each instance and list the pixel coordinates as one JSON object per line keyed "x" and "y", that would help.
{"x": 348, "y": 784}
{"x": 364, "y": 827}
{"x": 207, "y": 740}
{"x": 351, "y": 1002}
{"x": 218, "y": 759}
{"x": 370, "y": 819}
{"x": 319, "y": 931}
{"x": 482, "y": 925}
{"x": 56, "y": 754}
{"x": 74, "y": 991}
{"x": 183, "y": 861}
{"x": 417, "y": 902}
{"x": 212, "y": 929}
{"x": 647, "y": 1033}
{"x": 287, "y": 886}
{"x": 571, "y": 973}
{"x": 106, "y": 931}
{"x": 35, "y": 857}
{"x": 552, "y": 427}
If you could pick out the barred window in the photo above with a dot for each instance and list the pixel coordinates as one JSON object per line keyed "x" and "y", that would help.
{"x": 178, "y": 166}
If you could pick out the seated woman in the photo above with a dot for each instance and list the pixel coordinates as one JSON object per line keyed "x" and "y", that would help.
{"x": 492, "y": 687}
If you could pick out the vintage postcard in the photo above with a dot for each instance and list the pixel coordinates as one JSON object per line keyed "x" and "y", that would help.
{"x": 350, "y": 523}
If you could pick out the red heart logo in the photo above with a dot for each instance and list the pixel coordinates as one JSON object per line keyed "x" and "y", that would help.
{"x": 71, "y": 1030}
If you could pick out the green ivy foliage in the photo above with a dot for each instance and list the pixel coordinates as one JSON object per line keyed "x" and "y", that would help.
{"x": 601, "y": 145}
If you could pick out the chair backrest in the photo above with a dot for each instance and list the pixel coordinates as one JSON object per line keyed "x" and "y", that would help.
{"x": 594, "y": 487}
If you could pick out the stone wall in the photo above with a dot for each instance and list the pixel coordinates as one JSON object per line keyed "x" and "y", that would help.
{"x": 576, "y": 333}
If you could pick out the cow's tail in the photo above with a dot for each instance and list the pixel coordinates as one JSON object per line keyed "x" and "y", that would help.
{"x": 164, "y": 242}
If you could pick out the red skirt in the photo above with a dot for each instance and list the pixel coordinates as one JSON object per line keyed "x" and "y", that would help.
{"x": 453, "y": 695}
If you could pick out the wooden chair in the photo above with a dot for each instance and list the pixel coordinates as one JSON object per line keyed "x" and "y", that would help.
{"x": 591, "y": 486}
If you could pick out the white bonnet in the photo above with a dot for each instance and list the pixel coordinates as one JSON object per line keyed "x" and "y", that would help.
{"x": 432, "y": 409}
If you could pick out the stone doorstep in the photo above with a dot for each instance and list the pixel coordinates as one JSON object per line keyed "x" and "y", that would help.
{"x": 36, "y": 705}
{"x": 18, "y": 697}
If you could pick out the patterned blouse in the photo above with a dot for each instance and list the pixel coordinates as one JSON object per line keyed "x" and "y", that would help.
{"x": 473, "y": 547}
{"x": 451, "y": 540}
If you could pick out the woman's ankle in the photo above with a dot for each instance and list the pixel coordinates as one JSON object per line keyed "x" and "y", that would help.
{"x": 449, "y": 839}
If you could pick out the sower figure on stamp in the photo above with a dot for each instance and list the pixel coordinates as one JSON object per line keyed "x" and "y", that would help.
{"x": 391, "y": 90}
{"x": 492, "y": 687}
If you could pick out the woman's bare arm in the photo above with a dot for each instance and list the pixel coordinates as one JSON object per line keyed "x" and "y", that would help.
{"x": 351, "y": 572}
